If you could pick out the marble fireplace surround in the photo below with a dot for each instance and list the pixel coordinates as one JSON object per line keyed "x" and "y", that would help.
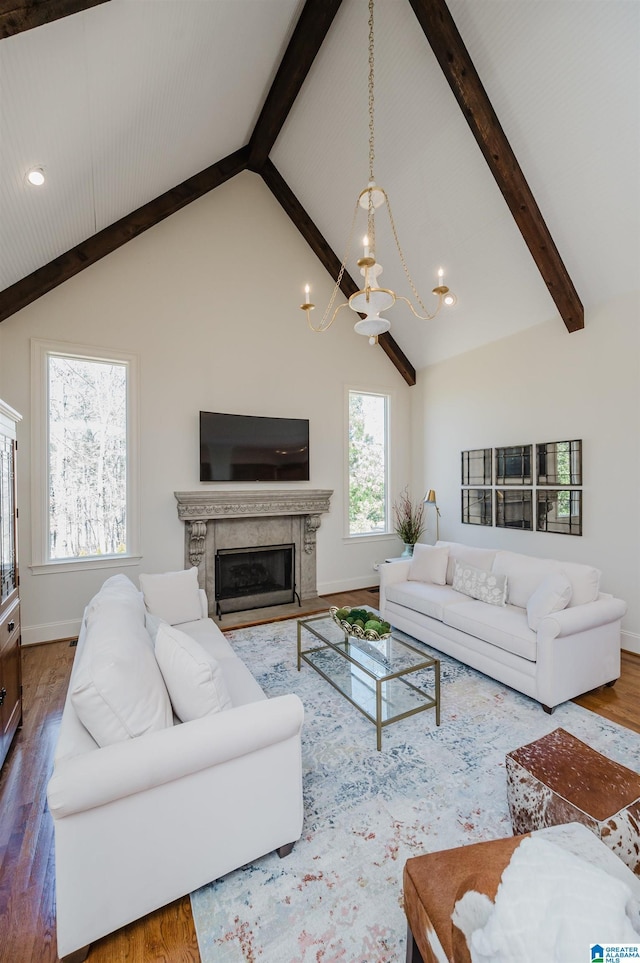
{"x": 239, "y": 519}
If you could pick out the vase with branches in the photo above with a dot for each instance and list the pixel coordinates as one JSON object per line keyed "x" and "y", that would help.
{"x": 409, "y": 521}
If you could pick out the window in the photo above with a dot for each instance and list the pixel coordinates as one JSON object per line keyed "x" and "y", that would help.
{"x": 368, "y": 463}
{"x": 84, "y": 478}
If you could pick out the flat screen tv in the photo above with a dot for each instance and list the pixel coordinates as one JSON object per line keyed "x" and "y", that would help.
{"x": 253, "y": 448}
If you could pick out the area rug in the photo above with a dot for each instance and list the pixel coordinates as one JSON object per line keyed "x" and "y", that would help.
{"x": 338, "y": 897}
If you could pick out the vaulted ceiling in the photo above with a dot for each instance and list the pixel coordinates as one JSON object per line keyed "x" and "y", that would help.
{"x": 507, "y": 138}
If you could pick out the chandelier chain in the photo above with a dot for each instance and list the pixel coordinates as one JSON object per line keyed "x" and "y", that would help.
{"x": 371, "y": 223}
{"x": 371, "y": 94}
{"x": 404, "y": 263}
{"x": 324, "y": 324}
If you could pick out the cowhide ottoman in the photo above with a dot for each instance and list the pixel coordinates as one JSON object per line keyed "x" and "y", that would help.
{"x": 432, "y": 885}
{"x": 436, "y": 885}
{"x": 559, "y": 779}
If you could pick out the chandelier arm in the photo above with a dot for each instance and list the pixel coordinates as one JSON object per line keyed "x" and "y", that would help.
{"x": 422, "y": 317}
{"x": 325, "y": 326}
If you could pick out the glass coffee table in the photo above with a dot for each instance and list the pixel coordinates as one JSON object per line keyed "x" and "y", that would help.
{"x": 376, "y": 677}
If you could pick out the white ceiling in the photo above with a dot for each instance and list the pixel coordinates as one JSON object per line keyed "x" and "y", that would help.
{"x": 130, "y": 98}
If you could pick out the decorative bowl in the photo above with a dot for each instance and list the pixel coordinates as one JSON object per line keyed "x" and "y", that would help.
{"x": 356, "y": 630}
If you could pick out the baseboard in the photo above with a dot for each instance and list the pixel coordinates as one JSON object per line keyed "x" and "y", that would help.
{"x": 346, "y": 585}
{"x": 50, "y": 632}
{"x": 630, "y": 642}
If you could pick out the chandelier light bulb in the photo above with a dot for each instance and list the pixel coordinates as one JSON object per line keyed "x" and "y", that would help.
{"x": 307, "y": 291}
{"x": 35, "y": 176}
{"x": 365, "y": 241}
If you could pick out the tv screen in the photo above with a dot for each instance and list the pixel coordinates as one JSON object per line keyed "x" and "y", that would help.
{"x": 253, "y": 448}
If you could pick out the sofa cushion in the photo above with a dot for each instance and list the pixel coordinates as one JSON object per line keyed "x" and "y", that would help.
{"x": 479, "y": 584}
{"x": 207, "y": 633}
{"x": 525, "y": 573}
{"x": 118, "y": 601}
{"x": 422, "y": 597}
{"x": 193, "y": 678}
{"x": 173, "y": 596}
{"x": 241, "y": 685}
{"x": 503, "y": 626}
{"x": 429, "y": 564}
{"x": 585, "y": 582}
{"x": 117, "y": 689}
{"x": 552, "y": 595}
{"x": 480, "y": 557}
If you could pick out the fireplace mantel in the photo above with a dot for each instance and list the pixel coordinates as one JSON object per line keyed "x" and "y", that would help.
{"x": 224, "y": 519}
{"x": 226, "y": 504}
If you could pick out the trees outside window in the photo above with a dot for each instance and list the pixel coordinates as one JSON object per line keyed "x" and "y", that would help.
{"x": 368, "y": 463}
{"x": 87, "y": 457}
{"x": 85, "y": 447}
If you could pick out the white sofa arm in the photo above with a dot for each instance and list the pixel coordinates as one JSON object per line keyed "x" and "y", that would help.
{"x": 579, "y": 618}
{"x": 392, "y": 572}
{"x": 103, "y": 775}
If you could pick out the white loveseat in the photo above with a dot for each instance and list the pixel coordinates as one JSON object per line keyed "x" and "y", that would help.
{"x": 147, "y": 808}
{"x": 547, "y": 630}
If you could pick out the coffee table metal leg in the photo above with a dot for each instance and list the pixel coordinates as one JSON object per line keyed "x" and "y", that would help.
{"x": 437, "y": 671}
{"x": 379, "y": 715}
{"x": 299, "y": 643}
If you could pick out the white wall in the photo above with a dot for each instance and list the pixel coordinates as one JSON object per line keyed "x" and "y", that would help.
{"x": 208, "y": 299}
{"x": 547, "y": 385}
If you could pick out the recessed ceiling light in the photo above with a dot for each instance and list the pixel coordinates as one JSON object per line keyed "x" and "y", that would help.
{"x": 35, "y": 176}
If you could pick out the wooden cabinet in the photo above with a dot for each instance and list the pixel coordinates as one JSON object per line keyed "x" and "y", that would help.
{"x": 10, "y": 674}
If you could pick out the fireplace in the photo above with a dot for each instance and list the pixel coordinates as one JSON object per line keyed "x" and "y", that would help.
{"x": 220, "y": 520}
{"x": 250, "y": 578}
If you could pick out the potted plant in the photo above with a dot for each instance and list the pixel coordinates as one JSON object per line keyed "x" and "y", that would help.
{"x": 409, "y": 521}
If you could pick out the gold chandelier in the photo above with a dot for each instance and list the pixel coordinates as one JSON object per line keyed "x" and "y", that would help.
{"x": 372, "y": 299}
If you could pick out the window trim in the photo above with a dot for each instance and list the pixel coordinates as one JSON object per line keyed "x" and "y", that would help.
{"x": 41, "y": 350}
{"x": 387, "y": 395}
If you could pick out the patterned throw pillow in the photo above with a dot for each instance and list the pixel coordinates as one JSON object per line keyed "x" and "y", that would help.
{"x": 479, "y": 584}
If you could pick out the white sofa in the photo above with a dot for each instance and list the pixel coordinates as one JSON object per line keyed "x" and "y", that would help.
{"x": 550, "y": 633}
{"x": 147, "y": 808}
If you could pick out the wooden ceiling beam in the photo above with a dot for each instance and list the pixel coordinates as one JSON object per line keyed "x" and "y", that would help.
{"x": 67, "y": 265}
{"x": 325, "y": 254}
{"x": 17, "y": 16}
{"x": 306, "y": 40}
{"x": 456, "y": 64}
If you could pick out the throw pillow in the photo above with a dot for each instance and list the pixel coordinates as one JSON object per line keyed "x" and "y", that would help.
{"x": 552, "y": 595}
{"x": 117, "y": 689}
{"x": 481, "y": 585}
{"x": 429, "y": 564}
{"x": 173, "y": 596}
{"x": 192, "y": 676}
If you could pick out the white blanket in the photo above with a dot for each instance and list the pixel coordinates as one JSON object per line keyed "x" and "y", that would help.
{"x": 550, "y": 905}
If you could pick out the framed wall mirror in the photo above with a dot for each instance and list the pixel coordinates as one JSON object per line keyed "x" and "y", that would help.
{"x": 477, "y": 506}
{"x": 513, "y": 465}
{"x": 514, "y": 509}
{"x": 559, "y": 511}
{"x": 476, "y": 467}
{"x": 559, "y": 462}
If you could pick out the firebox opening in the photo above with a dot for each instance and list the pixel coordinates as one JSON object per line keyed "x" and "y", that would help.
{"x": 251, "y": 578}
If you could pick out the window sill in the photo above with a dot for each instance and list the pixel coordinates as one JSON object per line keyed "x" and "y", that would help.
{"x": 372, "y": 537}
{"x": 84, "y": 564}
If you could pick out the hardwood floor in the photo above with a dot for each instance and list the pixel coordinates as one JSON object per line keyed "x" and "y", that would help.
{"x": 27, "y": 890}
